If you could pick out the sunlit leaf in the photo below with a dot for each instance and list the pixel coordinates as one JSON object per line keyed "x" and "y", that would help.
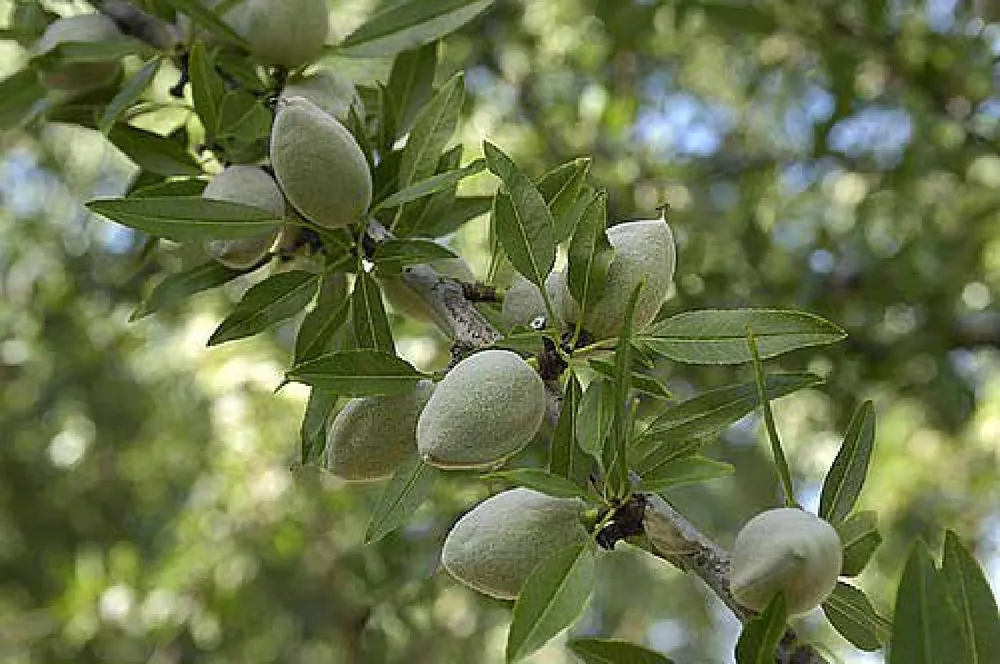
{"x": 860, "y": 537}
{"x": 187, "y": 218}
{"x": 847, "y": 474}
{"x": 271, "y": 301}
{"x": 129, "y": 93}
{"x": 540, "y": 480}
{"x": 176, "y": 288}
{"x": 553, "y": 596}
{"x": 590, "y": 255}
{"x": 614, "y": 651}
{"x": 371, "y": 323}
{"x": 926, "y": 627}
{"x": 407, "y": 25}
{"x": 977, "y": 608}
{"x": 431, "y": 132}
{"x": 406, "y": 492}
{"x": 522, "y": 220}
{"x": 357, "y": 373}
{"x": 762, "y": 634}
{"x": 854, "y": 617}
{"x": 718, "y": 336}
{"x": 687, "y": 470}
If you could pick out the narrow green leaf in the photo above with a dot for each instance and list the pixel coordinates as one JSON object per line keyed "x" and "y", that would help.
{"x": 567, "y": 222}
{"x": 640, "y": 382}
{"x": 926, "y": 627}
{"x": 553, "y": 597}
{"x": 271, "y": 301}
{"x": 244, "y": 123}
{"x": 207, "y": 88}
{"x": 761, "y": 635}
{"x": 540, "y": 480}
{"x": 407, "y": 25}
{"x": 312, "y": 433}
{"x": 157, "y": 154}
{"x": 621, "y": 429}
{"x": 407, "y": 490}
{"x": 688, "y": 470}
{"x": 414, "y": 217}
{"x": 89, "y": 51}
{"x": 411, "y": 82}
{"x": 357, "y": 373}
{"x": 566, "y": 459}
{"x": 595, "y": 417}
{"x": 614, "y": 651}
{"x": 561, "y": 187}
{"x": 590, "y": 255}
{"x": 185, "y": 187}
{"x": 19, "y": 93}
{"x": 443, "y": 218}
{"x": 522, "y": 340}
{"x": 860, "y": 537}
{"x": 432, "y": 130}
{"x": 522, "y": 220}
{"x": 854, "y": 617}
{"x": 972, "y": 596}
{"x": 129, "y": 93}
{"x": 318, "y": 328}
{"x": 843, "y": 482}
{"x": 371, "y": 324}
{"x": 392, "y": 256}
{"x": 717, "y": 336}
{"x": 707, "y": 414}
{"x": 178, "y": 287}
{"x": 431, "y": 185}
{"x": 187, "y": 218}
{"x": 203, "y": 16}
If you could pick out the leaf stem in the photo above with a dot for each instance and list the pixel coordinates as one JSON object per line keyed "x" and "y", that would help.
{"x": 772, "y": 431}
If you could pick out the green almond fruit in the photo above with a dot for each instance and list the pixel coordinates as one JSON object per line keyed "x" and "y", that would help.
{"x": 249, "y": 185}
{"x": 786, "y": 550}
{"x": 495, "y": 547}
{"x": 371, "y": 436}
{"x": 319, "y": 166}
{"x": 523, "y": 303}
{"x": 644, "y": 250}
{"x": 331, "y": 92}
{"x": 289, "y": 33}
{"x": 488, "y": 407}
{"x": 78, "y": 76}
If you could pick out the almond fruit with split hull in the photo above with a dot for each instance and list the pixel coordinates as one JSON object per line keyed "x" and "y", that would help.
{"x": 249, "y": 185}
{"x": 644, "y": 250}
{"x": 495, "y": 547}
{"x": 487, "y": 408}
{"x": 371, "y": 436}
{"x": 786, "y": 550}
{"x": 319, "y": 166}
{"x": 78, "y": 76}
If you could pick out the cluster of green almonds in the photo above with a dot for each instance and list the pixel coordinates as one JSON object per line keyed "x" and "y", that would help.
{"x": 643, "y": 251}
{"x": 319, "y": 170}
{"x": 488, "y": 407}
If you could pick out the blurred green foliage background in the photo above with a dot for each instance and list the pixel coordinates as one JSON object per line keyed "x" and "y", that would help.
{"x": 839, "y": 157}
